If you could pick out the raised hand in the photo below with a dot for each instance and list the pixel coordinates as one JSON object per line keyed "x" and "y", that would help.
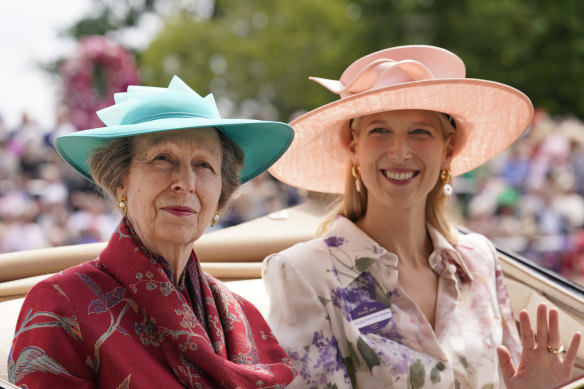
{"x": 544, "y": 364}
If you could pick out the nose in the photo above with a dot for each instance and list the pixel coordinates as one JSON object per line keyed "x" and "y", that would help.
{"x": 185, "y": 180}
{"x": 399, "y": 149}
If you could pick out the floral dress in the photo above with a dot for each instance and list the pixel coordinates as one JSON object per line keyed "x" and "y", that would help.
{"x": 338, "y": 310}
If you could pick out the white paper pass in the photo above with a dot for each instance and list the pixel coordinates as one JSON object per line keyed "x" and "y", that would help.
{"x": 373, "y": 318}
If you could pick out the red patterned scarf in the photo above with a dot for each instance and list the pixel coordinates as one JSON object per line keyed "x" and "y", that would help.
{"x": 235, "y": 348}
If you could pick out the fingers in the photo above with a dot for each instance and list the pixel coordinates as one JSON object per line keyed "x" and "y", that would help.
{"x": 572, "y": 352}
{"x": 505, "y": 363}
{"x": 542, "y": 327}
{"x": 527, "y": 340}
{"x": 554, "y": 340}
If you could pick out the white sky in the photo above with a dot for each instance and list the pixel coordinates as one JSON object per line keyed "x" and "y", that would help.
{"x": 29, "y": 34}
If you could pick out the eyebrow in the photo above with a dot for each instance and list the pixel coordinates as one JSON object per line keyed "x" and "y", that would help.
{"x": 382, "y": 122}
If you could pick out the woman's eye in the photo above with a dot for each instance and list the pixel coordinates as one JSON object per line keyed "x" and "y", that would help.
{"x": 378, "y": 130}
{"x": 205, "y": 165}
{"x": 422, "y": 131}
{"x": 162, "y": 157}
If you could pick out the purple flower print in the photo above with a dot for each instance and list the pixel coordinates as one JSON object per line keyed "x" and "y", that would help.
{"x": 338, "y": 299}
{"x": 390, "y": 331}
{"x": 334, "y": 241}
{"x": 328, "y": 358}
{"x": 324, "y": 358}
{"x": 361, "y": 290}
{"x": 148, "y": 334}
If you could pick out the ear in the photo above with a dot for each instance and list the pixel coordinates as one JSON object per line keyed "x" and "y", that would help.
{"x": 448, "y": 152}
{"x": 120, "y": 192}
{"x": 352, "y": 149}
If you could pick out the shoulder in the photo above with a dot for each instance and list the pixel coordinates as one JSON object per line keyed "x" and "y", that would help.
{"x": 300, "y": 253}
{"x": 301, "y": 264}
{"x": 475, "y": 244}
{"x": 305, "y": 255}
{"x": 66, "y": 284}
{"x": 478, "y": 253}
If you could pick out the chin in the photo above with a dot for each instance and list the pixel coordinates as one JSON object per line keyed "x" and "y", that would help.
{"x": 181, "y": 236}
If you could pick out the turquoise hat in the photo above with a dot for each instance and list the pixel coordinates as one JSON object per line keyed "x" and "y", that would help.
{"x": 144, "y": 110}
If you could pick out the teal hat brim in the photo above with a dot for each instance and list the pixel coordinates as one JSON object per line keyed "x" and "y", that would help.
{"x": 262, "y": 142}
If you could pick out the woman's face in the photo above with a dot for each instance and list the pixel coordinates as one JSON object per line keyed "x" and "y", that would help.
{"x": 173, "y": 186}
{"x": 400, "y": 155}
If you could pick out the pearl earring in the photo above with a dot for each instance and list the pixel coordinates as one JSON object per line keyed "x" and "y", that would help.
{"x": 446, "y": 178}
{"x": 215, "y": 219}
{"x": 123, "y": 206}
{"x": 356, "y": 172}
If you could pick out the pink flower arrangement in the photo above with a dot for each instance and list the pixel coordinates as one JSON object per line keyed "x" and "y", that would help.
{"x": 99, "y": 68}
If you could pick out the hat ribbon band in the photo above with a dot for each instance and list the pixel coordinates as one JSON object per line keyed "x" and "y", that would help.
{"x": 167, "y": 115}
{"x": 386, "y": 72}
{"x": 377, "y": 74}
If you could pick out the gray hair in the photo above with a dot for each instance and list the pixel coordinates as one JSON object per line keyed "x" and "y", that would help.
{"x": 109, "y": 166}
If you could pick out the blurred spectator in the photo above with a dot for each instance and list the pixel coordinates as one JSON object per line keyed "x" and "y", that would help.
{"x": 258, "y": 197}
{"x": 62, "y": 126}
{"x": 92, "y": 221}
{"x": 529, "y": 199}
{"x": 3, "y": 129}
{"x": 20, "y": 231}
{"x": 53, "y": 200}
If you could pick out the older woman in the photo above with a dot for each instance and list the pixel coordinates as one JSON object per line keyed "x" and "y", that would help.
{"x": 391, "y": 296}
{"x": 144, "y": 314}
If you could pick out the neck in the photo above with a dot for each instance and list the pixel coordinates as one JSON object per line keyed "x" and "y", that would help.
{"x": 400, "y": 231}
{"x": 177, "y": 258}
{"x": 177, "y": 255}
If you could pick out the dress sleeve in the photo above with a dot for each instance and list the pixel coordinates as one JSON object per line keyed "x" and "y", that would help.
{"x": 302, "y": 326}
{"x": 48, "y": 349}
{"x": 510, "y": 332}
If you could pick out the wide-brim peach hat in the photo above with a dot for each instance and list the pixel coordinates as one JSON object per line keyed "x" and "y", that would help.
{"x": 488, "y": 115}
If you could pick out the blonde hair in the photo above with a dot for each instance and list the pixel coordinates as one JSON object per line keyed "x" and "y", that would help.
{"x": 353, "y": 204}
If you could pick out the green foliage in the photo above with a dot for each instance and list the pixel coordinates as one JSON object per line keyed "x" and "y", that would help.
{"x": 256, "y": 50}
{"x": 259, "y": 53}
{"x": 536, "y": 46}
{"x": 111, "y": 15}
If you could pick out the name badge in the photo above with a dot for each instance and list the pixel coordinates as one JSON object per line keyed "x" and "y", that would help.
{"x": 371, "y": 317}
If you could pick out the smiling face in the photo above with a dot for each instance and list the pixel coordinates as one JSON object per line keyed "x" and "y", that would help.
{"x": 173, "y": 187}
{"x": 400, "y": 155}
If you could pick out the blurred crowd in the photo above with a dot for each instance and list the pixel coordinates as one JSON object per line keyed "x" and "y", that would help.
{"x": 45, "y": 203}
{"x": 529, "y": 199}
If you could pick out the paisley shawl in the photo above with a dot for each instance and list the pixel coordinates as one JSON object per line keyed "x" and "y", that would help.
{"x": 142, "y": 328}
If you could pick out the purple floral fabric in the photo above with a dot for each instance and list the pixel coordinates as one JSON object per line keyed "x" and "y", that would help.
{"x": 338, "y": 310}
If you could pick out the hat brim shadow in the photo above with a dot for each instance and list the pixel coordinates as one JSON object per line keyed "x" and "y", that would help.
{"x": 489, "y": 117}
{"x": 262, "y": 142}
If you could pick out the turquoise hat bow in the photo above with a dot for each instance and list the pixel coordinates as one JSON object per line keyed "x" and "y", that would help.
{"x": 143, "y": 110}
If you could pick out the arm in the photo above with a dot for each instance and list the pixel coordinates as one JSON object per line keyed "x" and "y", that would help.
{"x": 301, "y": 324}
{"x": 48, "y": 349}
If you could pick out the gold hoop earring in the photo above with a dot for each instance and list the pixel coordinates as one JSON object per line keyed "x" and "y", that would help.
{"x": 446, "y": 178}
{"x": 356, "y": 172}
{"x": 215, "y": 219}
{"x": 123, "y": 206}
